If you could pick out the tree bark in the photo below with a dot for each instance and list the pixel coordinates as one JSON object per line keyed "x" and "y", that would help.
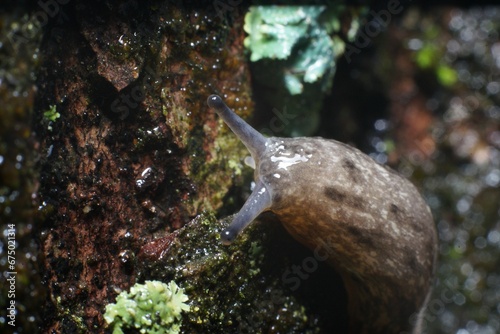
{"x": 131, "y": 157}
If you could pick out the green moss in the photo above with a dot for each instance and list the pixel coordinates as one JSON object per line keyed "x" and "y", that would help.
{"x": 222, "y": 168}
{"x": 153, "y": 308}
{"x": 237, "y": 288}
{"x": 51, "y": 115}
{"x": 177, "y": 118}
{"x": 69, "y": 316}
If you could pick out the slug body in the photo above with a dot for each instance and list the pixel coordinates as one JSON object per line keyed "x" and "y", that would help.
{"x": 375, "y": 227}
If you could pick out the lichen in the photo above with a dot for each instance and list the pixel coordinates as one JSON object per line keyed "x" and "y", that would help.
{"x": 153, "y": 307}
{"x": 295, "y": 50}
{"x": 296, "y": 34}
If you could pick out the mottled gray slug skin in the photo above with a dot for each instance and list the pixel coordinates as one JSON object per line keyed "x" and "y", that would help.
{"x": 375, "y": 227}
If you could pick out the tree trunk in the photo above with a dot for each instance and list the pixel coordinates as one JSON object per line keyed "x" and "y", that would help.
{"x": 128, "y": 154}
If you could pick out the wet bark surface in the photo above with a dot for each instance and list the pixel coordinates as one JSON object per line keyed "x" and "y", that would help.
{"x": 126, "y": 160}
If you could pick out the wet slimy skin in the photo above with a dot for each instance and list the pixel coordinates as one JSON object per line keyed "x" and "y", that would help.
{"x": 374, "y": 225}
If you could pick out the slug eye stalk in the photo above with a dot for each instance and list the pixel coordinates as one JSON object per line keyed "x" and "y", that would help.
{"x": 258, "y": 202}
{"x": 254, "y": 141}
{"x": 260, "y": 199}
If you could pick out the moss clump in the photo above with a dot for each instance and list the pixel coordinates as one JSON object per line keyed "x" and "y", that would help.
{"x": 51, "y": 114}
{"x": 153, "y": 307}
{"x": 244, "y": 287}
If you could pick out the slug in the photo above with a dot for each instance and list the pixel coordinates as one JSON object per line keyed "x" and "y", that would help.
{"x": 374, "y": 225}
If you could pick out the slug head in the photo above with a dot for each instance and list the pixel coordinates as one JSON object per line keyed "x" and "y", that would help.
{"x": 261, "y": 198}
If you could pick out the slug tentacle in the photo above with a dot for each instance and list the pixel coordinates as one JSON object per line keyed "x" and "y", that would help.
{"x": 253, "y": 140}
{"x": 258, "y": 202}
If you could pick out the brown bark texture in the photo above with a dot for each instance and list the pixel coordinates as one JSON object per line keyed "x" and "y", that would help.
{"x": 131, "y": 157}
